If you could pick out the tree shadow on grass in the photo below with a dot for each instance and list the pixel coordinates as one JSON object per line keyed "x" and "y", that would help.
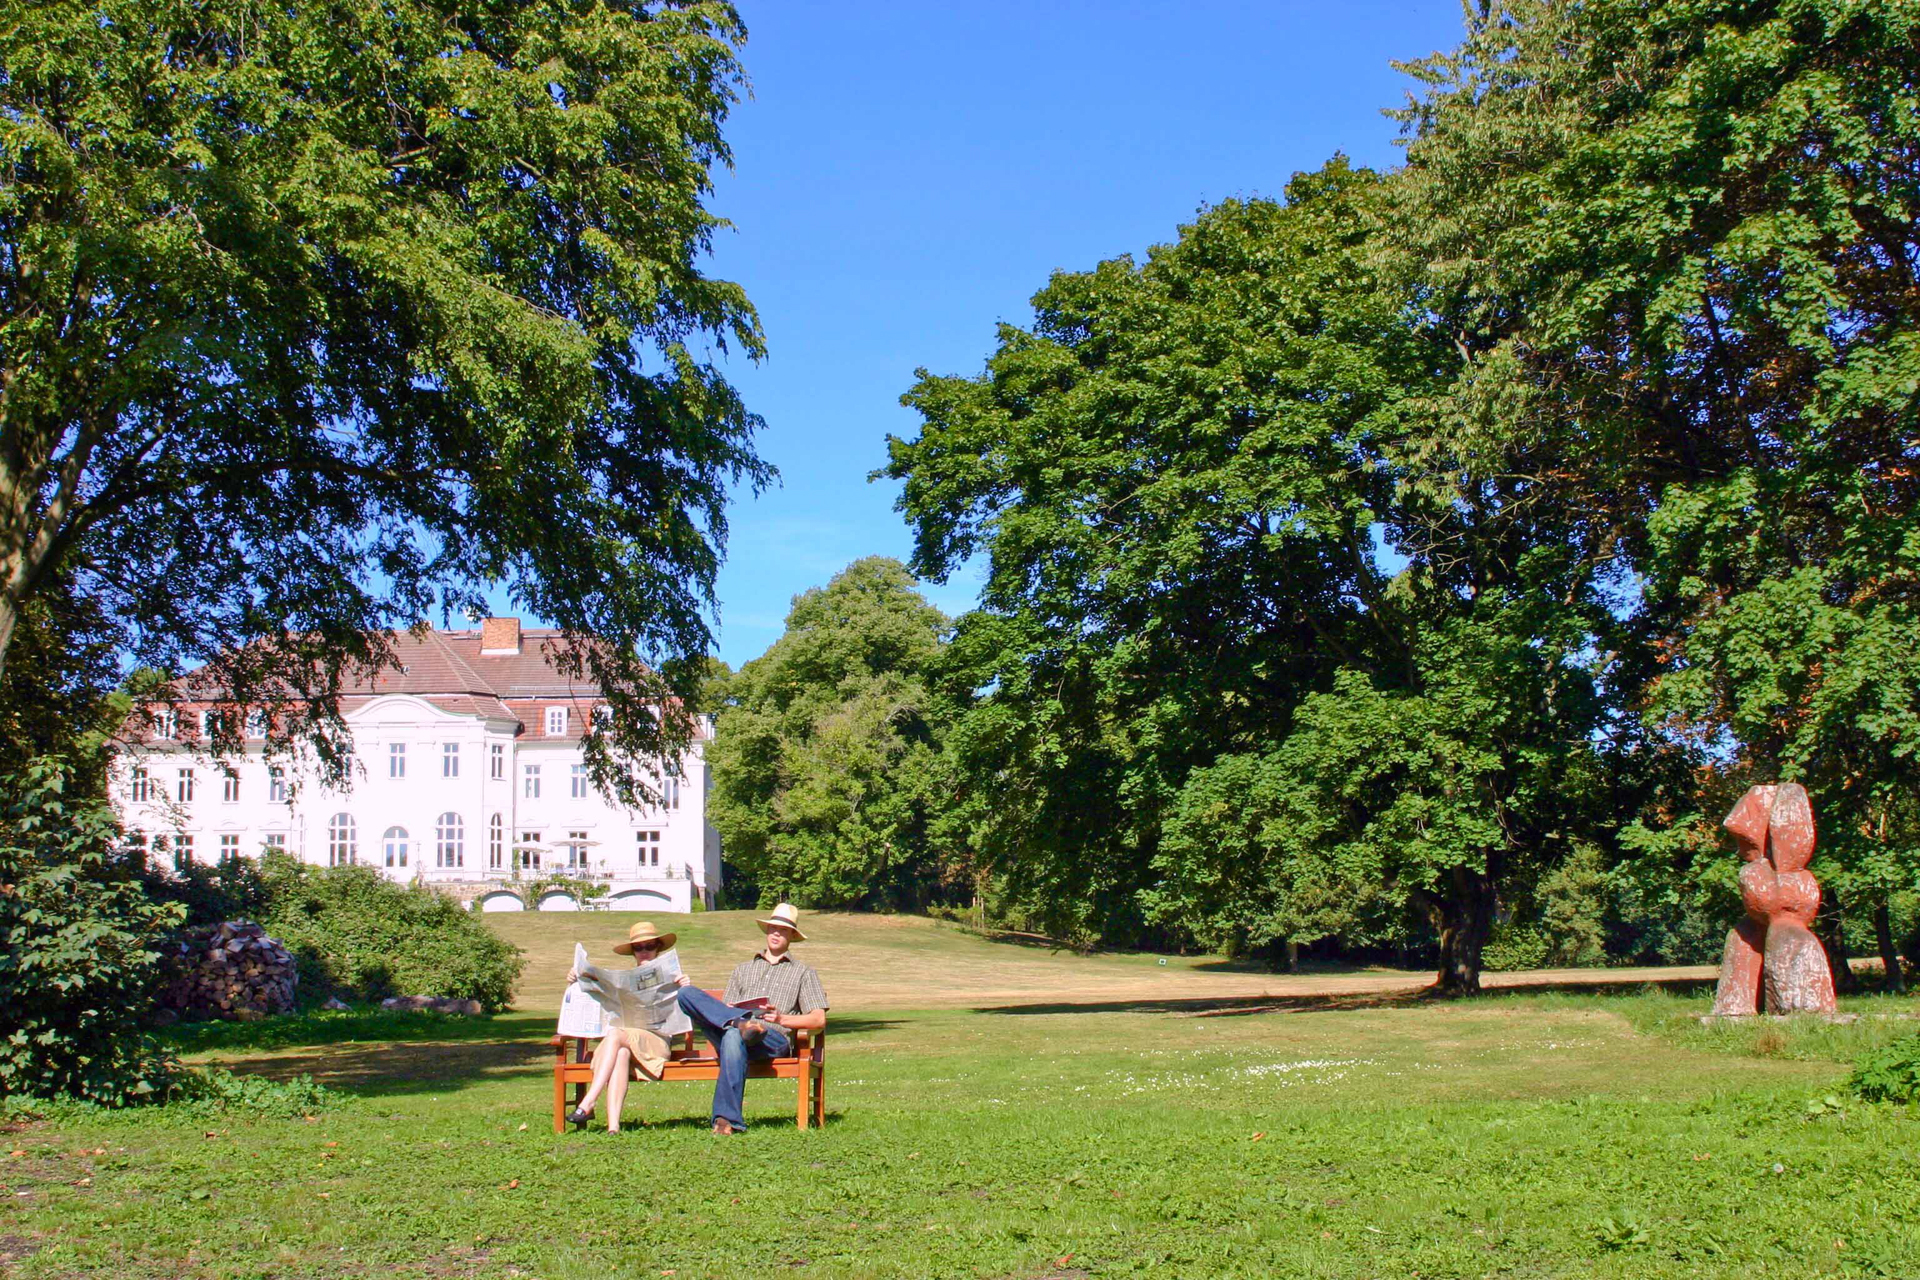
{"x": 1241, "y": 1006}
{"x": 446, "y": 1066}
{"x": 394, "y": 1070}
{"x": 354, "y": 1026}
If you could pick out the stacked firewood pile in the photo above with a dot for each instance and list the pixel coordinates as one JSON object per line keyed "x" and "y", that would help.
{"x": 229, "y": 970}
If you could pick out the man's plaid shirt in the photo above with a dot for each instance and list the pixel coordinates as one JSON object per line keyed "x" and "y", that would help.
{"x": 789, "y": 986}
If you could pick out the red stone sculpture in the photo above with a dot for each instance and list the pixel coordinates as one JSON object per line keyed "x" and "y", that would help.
{"x": 1773, "y": 953}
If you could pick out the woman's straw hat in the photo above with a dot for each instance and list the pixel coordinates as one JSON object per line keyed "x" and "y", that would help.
{"x": 783, "y": 917}
{"x": 645, "y": 932}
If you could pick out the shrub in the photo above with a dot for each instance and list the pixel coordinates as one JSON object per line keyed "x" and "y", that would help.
{"x": 215, "y": 1089}
{"x": 1515, "y": 946}
{"x": 78, "y": 941}
{"x": 1890, "y": 1073}
{"x": 358, "y": 935}
{"x": 1573, "y": 903}
{"x": 231, "y": 890}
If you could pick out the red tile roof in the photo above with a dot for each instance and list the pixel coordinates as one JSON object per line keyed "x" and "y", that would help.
{"x": 448, "y": 669}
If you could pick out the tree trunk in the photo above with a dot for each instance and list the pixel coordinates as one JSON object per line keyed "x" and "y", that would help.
{"x": 1293, "y": 956}
{"x": 1464, "y": 918}
{"x": 9, "y": 615}
{"x": 1895, "y": 980}
{"x": 1827, "y": 928}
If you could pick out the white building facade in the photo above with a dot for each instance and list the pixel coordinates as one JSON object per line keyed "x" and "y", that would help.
{"x": 468, "y": 774}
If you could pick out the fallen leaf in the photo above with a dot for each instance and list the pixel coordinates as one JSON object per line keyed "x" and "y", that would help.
{"x": 512, "y": 1183}
{"x": 326, "y": 1195}
{"x": 1256, "y": 1137}
{"x": 332, "y": 1144}
{"x": 16, "y": 1153}
{"x": 1065, "y": 1258}
{"x": 522, "y": 1129}
{"x": 1698, "y": 1159}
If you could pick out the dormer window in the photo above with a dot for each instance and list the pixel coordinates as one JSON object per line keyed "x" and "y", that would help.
{"x": 166, "y": 725}
{"x": 556, "y": 722}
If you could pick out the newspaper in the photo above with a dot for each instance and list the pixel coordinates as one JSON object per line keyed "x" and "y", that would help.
{"x": 580, "y": 1014}
{"x": 645, "y": 996}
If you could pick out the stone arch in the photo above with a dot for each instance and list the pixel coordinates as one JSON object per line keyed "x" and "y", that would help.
{"x": 638, "y": 900}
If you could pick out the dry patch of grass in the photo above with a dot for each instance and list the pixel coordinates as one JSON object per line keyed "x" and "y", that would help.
{"x": 893, "y": 962}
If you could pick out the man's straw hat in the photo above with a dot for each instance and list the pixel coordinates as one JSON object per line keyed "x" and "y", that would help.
{"x": 645, "y": 932}
{"x": 783, "y": 917}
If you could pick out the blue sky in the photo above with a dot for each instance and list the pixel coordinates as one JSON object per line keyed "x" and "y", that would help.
{"x": 907, "y": 175}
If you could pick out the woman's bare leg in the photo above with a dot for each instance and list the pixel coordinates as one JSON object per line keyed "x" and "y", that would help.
{"x": 604, "y": 1053}
{"x": 617, "y": 1086}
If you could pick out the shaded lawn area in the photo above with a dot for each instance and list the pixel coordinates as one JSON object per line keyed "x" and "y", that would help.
{"x": 1540, "y": 1135}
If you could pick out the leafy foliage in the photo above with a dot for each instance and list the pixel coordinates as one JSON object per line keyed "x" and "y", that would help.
{"x": 80, "y": 940}
{"x": 826, "y": 763}
{"x": 234, "y": 889}
{"x": 1184, "y": 480}
{"x": 1680, "y": 238}
{"x": 357, "y": 934}
{"x": 1472, "y": 533}
{"x": 1890, "y": 1073}
{"x": 317, "y": 320}
{"x": 215, "y": 1090}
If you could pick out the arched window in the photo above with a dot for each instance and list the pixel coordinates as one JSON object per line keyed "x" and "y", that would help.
{"x": 496, "y": 843}
{"x": 450, "y": 841}
{"x": 394, "y": 843}
{"x": 342, "y": 847}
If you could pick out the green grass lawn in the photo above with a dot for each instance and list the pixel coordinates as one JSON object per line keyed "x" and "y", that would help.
{"x": 1181, "y": 1127}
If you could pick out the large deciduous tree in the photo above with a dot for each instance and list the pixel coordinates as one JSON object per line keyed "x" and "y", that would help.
{"x": 1682, "y": 238}
{"x": 1184, "y": 479}
{"x": 315, "y": 320}
{"x": 826, "y": 759}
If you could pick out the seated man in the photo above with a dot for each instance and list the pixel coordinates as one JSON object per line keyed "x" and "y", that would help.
{"x": 795, "y": 1002}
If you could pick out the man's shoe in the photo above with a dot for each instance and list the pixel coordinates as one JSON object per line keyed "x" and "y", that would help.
{"x": 752, "y": 1032}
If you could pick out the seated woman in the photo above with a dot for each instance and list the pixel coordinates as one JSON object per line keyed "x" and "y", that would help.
{"x": 626, "y": 1047}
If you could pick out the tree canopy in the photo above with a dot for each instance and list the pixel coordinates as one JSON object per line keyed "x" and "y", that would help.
{"x": 316, "y": 321}
{"x": 1382, "y": 551}
{"x": 825, "y": 760}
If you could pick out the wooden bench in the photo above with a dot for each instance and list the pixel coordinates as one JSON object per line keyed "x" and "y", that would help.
{"x": 807, "y": 1068}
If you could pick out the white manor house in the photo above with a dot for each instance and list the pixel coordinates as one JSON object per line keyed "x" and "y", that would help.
{"x": 468, "y": 775}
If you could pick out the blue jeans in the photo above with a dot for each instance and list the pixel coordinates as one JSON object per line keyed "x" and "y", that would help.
{"x": 712, "y": 1017}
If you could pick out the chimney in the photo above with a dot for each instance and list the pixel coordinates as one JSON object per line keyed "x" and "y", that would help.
{"x": 499, "y": 637}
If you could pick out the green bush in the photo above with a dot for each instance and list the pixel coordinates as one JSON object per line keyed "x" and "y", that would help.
{"x": 215, "y": 1089}
{"x": 230, "y": 890}
{"x": 1515, "y": 946}
{"x": 1890, "y": 1073}
{"x": 78, "y": 941}
{"x": 358, "y": 935}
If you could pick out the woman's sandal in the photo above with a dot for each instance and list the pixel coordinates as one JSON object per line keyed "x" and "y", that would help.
{"x": 577, "y": 1116}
